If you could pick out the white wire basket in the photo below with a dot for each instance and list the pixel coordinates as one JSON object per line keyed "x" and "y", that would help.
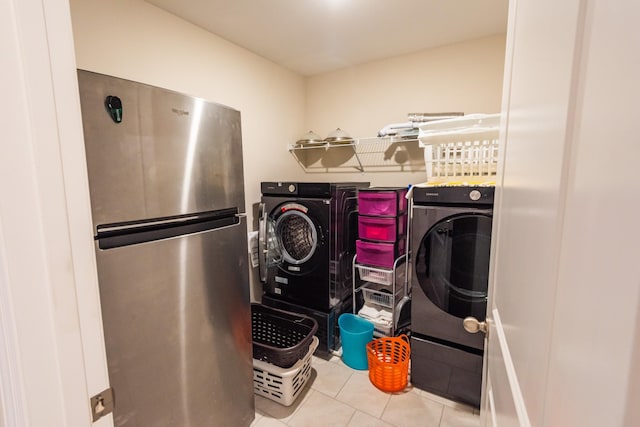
{"x": 464, "y": 148}
{"x": 378, "y": 294}
{"x": 376, "y": 275}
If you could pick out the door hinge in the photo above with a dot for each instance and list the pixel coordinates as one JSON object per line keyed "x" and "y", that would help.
{"x": 102, "y": 404}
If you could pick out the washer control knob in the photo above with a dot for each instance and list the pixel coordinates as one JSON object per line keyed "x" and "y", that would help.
{"x": 292, "y": 188}
{"x": 475, "y": 195}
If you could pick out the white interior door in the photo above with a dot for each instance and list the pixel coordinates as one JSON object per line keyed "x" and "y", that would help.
{"x": 52, "y": 356}
{"x": 563, "y": 344}
{"x": 529, "y": 206}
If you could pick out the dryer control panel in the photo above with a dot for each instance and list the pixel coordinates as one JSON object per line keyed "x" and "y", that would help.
{"x": 454, "y": 195}
{"x": 301, "y": 189}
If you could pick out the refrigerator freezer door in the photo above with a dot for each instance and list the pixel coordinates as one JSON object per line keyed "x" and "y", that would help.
{"x": 178, "y": 330}
{"x": 169, "y": 155}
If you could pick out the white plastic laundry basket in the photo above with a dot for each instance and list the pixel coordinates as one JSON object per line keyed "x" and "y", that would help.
{"x": 464, "y": 148}
{"x": 283, "y": 385}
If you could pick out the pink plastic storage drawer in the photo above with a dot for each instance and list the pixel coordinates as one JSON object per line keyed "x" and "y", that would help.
{"x": 378, "y": 254}
{"x": 382, "y": 201}
{"x": 382, "y": 229}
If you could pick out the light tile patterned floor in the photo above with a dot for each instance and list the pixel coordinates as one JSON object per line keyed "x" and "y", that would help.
{"x": 339, "y": 396}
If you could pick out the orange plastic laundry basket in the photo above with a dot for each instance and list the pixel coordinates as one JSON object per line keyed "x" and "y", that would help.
{"x": 388, "y": 360}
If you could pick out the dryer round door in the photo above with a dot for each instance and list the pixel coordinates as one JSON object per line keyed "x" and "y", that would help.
{"x": 297, "y": 235}
{"x": 452, "y": 264}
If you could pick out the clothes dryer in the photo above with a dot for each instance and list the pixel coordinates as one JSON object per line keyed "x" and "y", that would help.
{"x": 450, "y": 241}
{"x": 307, "y": 241}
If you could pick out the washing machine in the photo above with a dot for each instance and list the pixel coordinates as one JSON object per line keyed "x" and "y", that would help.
{"x": 307, "y": 236}
{"x": 450, "y": 241}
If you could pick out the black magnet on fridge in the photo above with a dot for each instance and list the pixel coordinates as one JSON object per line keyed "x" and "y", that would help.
{"x": 114, "y": 107}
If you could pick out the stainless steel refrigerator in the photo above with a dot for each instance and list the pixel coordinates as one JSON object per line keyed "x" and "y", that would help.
{"x": 167, "y": 198}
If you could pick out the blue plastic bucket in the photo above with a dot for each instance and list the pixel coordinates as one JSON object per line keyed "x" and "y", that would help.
{"x": 355, "y": 333}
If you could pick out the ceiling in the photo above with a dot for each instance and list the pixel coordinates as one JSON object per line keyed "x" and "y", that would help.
{"x": 318, "y": 36}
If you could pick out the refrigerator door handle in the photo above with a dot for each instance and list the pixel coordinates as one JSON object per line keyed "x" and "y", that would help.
{"x": 161, "y": 223}
{"x": 104, "y": 230}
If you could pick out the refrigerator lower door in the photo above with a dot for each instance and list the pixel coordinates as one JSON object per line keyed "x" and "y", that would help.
{"x": 177, "y": 330}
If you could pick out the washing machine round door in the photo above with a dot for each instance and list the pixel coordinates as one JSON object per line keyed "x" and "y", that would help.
{"x": 452, "y": 264}
{"x": 297, "y": 236}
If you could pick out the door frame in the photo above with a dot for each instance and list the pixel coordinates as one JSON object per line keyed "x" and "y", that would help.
{"x": 50, "y": 320}
{"x": 564, "y": 345}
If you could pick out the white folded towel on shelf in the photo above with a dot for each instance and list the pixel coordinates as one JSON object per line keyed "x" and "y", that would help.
{"x": 375, "y": 313}
{"x": 395, "y": 128}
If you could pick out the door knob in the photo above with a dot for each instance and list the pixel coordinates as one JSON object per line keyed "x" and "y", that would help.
{"x": 472, "y": 325}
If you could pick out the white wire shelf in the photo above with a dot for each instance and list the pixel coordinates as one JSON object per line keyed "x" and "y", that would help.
{"x": 447, "y": 150}
{"x": 473, "y": 127}
{"x": 375, "y": 154}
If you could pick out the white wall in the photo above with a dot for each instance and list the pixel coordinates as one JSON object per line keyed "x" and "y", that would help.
{"x": 135, "y": 40}
{"x": 464, "y": 77}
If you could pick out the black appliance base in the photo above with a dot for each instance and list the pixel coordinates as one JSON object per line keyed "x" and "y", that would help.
{"x": 328, "y": 332}
{"x": 446, "y": 371}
